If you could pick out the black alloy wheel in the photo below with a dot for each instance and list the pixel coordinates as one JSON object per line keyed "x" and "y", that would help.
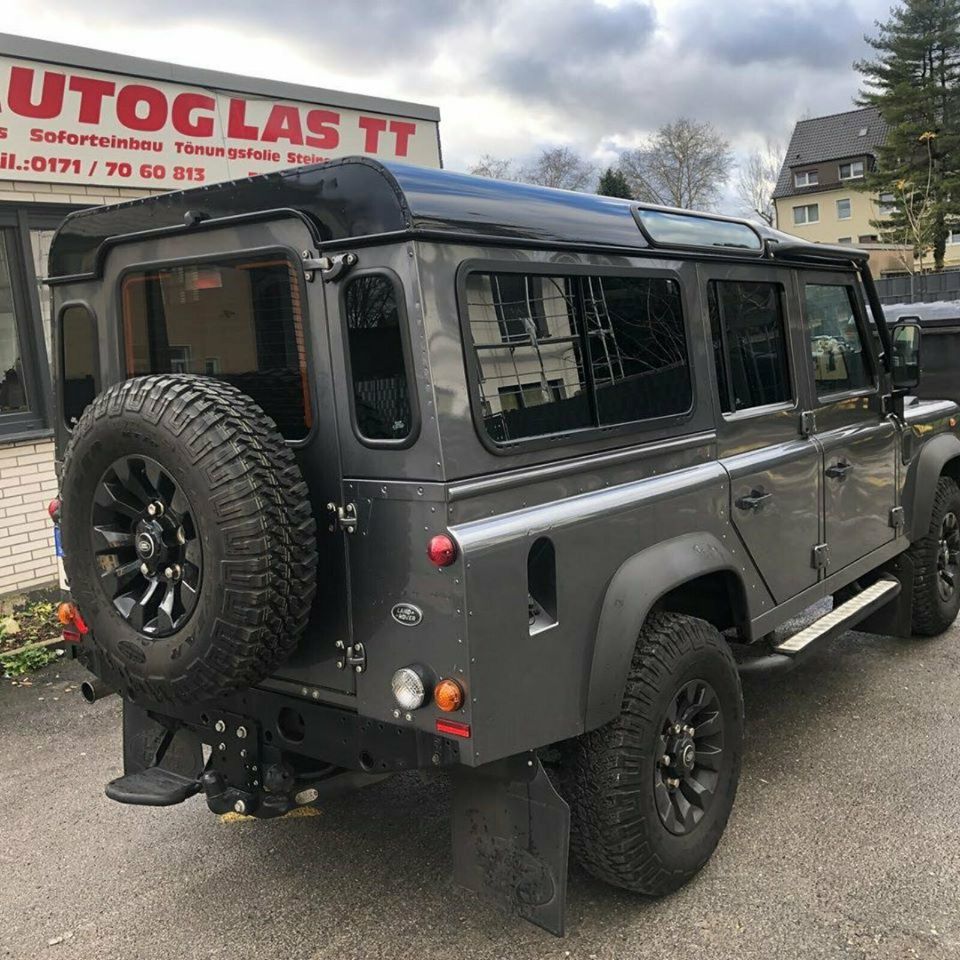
{"x": 691, "y": 757}
{"x": 146, "y": 546}
{"x": 650, "y": 791}
{"x": 948, "y": 556}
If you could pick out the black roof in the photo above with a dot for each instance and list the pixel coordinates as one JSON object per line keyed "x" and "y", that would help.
{"x": 840, "y": 136}
{"x": 353, "y": 199}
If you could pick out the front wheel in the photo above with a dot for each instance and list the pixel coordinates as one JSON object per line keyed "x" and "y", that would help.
{"x": 650, "y": 793}
{"x": 936, "y": 564}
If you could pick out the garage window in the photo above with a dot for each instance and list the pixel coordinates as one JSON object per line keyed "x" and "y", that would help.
{"x": 239, "y": 321}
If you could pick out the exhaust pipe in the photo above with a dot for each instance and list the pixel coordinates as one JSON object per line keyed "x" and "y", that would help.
{"x": 94, "y": 690}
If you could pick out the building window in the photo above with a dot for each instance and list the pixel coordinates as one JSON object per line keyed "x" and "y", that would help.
{"x": 749, "y": 344}
{"x": 378, "y": 369}
{"x": 867, "y": 238}
{"x": 851, "y": 171}
{"x": 595, "y": 352}
{"x": 953, "y": 237}
{"x": 13, "y": 388}
{"x": 888, "y": 204}
{"x": 809, "y": 178}
{"x": 843, "y": 209}
{"x": 807, "y": 213}
{"x": 24, "y": 383}
{"x": 247, "y": 314}
{"x": 845, "y": 240}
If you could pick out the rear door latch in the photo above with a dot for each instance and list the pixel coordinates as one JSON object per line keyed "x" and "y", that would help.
{"x": 331, "y": 268}
{"x": 351, "y": 657}
{"x": 344, "y": 517}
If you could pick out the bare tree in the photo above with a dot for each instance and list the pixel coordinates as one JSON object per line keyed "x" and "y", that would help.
{"x": 756, "y": 180}
{"x": 560, "y": 167}
{"x": 684, "y": 164}
{"x": 497, "y": 168}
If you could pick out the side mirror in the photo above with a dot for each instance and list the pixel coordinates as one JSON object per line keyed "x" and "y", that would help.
{"x": 906, "y": 355}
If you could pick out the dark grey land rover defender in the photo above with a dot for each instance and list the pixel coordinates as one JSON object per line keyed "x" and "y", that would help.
{"x": 371, "y": 468}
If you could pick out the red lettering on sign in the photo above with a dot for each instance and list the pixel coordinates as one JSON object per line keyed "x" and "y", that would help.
{"x": 20, "y": 92}
{"x": 183, "y": 105}
{"x": 130, "y": 98}
{"x": 237, "y": 126}
{"x": 323, "y": 123}
{"x": 402, "y": 132}
{"x": 283, "y": 124}
{"x": 372, "y": 127}
{"x": 92, "y": 92}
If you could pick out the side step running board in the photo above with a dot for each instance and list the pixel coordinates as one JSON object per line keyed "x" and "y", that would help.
{"x": 844, "y": 617}
{"x": 841, "y": 618}
{"x": 153, "y": 787}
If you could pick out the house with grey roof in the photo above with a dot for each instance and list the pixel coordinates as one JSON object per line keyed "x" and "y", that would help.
{"x": 818, "y": 195}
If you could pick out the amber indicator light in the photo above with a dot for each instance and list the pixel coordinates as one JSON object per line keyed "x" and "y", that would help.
{"x": 448, "y": 695}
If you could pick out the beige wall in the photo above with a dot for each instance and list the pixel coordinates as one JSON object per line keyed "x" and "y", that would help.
{"x": 27, "y": 485}
{"x": 830, "y": 229}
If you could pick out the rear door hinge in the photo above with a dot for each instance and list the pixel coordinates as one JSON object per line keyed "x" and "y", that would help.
{"x": 331, "y": 268}
{"x": 821, "y": 556}
{"x": 897, "y": 518}
{"x": 351, "y": 657}
{"x": 808, "y": 423}
{"x": 342, "y": 516}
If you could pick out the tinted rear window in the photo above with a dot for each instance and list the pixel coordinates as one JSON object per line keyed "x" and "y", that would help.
{"x": 241, "y": 322}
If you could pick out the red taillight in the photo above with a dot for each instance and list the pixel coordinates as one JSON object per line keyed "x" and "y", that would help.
{"x": 53, "y": 508}
{"x": 453, "y": 728}
{"x": 441, "y": 550}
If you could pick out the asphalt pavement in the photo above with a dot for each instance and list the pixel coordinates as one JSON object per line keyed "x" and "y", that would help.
{"x": 844, "y": 842}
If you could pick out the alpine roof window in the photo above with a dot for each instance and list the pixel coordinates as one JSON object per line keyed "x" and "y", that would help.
{"x": 691, "y": 230}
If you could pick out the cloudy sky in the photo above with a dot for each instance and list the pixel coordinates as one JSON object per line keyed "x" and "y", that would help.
{"x": 512, "y": 76}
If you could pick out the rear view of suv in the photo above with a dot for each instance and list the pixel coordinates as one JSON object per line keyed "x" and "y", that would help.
{"x": 371, "y": 468}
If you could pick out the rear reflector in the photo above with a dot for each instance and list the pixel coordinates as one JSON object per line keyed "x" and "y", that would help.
{"x": 453, "y": 728}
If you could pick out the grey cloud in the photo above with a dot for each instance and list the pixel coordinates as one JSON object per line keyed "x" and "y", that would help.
{"x": 817, "y": 33}
{"x": 593, "y": 73}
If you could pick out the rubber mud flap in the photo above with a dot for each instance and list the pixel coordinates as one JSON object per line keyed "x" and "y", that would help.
{"x": 511, "y": 835}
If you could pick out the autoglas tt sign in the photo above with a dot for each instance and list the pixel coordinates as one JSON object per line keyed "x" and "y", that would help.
{"x": 65, "y": 125}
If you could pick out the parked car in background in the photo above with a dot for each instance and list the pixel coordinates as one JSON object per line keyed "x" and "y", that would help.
{"x": 940, "y": 322}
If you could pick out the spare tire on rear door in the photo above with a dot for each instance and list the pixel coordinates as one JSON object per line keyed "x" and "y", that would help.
{"x": 188, "y": 537}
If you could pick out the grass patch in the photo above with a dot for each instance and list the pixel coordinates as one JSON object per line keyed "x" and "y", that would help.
{"x": 27, "y": 660}
{"x": 27, "y": 622}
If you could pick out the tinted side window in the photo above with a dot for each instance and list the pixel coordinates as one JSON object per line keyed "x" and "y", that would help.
{"x": 750, "y": 344}
{"x": 531, "y": 383}
{"x": 241, "y": 322}
{"x": 79, "y": 361}
{"x": 559, "y": 354}
{"x": 839, "y": 360}
{"x": 381, "y": 391}
{"x": 638, "y": 348}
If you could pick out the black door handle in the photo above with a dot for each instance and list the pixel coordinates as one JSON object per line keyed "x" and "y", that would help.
{"x": 839, "y": 470}
{"x": 755, "y": 501}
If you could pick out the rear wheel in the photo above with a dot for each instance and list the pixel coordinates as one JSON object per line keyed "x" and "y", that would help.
{"x": 650, "y": 793}
{"x": 936, "y": 562}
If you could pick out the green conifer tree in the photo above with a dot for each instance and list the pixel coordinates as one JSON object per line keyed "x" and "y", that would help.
{"x": 614, "y": 184}
{"x": 914, "y": 81}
